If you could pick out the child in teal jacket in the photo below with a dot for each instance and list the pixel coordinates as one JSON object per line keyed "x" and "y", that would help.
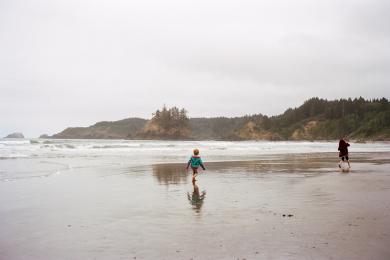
{"x": 195, "y": 161}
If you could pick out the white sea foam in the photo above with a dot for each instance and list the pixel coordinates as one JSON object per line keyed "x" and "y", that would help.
{"x": 100, "y": 153}
{"x": 13, "y": 156}
{"x": 39, "y": 148}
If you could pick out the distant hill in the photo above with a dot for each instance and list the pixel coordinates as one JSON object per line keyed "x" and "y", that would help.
{"x": 15, "y": 135}
{"x": 122, "y": 129}
{"x": 218, "y": 128}
{"x": 316, "y": 119}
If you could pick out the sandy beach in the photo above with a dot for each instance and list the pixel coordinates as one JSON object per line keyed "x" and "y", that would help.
{"x": 281, "y": 206}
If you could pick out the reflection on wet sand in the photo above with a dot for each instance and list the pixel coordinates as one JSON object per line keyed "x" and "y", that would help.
{"x": 304, "y": 165}
{"x": 279, "y": 164}
{"x": 175, "y": 173}
{"x": 166, "y": 174}
{"x": 291, "y": 165}
{"x": 196, "y": 199}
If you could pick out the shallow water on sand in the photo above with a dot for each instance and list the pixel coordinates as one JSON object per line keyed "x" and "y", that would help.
{"x": 89, "y": 204}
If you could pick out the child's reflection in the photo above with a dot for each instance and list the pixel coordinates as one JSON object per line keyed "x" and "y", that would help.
{"x": 196, "y": 199}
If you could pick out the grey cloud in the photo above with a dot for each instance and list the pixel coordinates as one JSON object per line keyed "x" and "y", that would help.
{"x": 73, "y": 63}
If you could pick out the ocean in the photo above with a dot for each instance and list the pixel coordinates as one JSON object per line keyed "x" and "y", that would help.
{"x": 26, "y": 158}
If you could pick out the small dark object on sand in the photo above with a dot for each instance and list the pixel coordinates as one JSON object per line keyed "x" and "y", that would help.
{"x": 290, "y": 215}
{"x": 284, "y": 215}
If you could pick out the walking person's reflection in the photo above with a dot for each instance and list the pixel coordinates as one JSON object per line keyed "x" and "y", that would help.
{"x": 196, "y": 198}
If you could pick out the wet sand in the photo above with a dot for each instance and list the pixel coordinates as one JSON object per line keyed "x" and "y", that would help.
{"x": 280, "y": 207}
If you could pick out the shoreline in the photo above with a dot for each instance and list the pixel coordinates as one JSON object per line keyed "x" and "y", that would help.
{"x": 359, "y": 141}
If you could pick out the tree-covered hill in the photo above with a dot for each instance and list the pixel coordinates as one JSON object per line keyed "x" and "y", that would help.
{"x": 167, "y": 123}
{"x": 323, "y": 119}
{"x": 316, "y": 119}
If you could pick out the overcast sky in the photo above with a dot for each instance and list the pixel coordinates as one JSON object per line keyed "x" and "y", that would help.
{"x": 75, "y": 62}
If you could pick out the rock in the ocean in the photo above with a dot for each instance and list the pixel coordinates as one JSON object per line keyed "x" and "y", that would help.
{"x": 44, "y": 136}
{"x": 15, "y": 135}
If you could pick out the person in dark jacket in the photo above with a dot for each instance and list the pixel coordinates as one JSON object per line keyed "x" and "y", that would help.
{"x": 195, "y": 161}
{"x": 343, "y": 151}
